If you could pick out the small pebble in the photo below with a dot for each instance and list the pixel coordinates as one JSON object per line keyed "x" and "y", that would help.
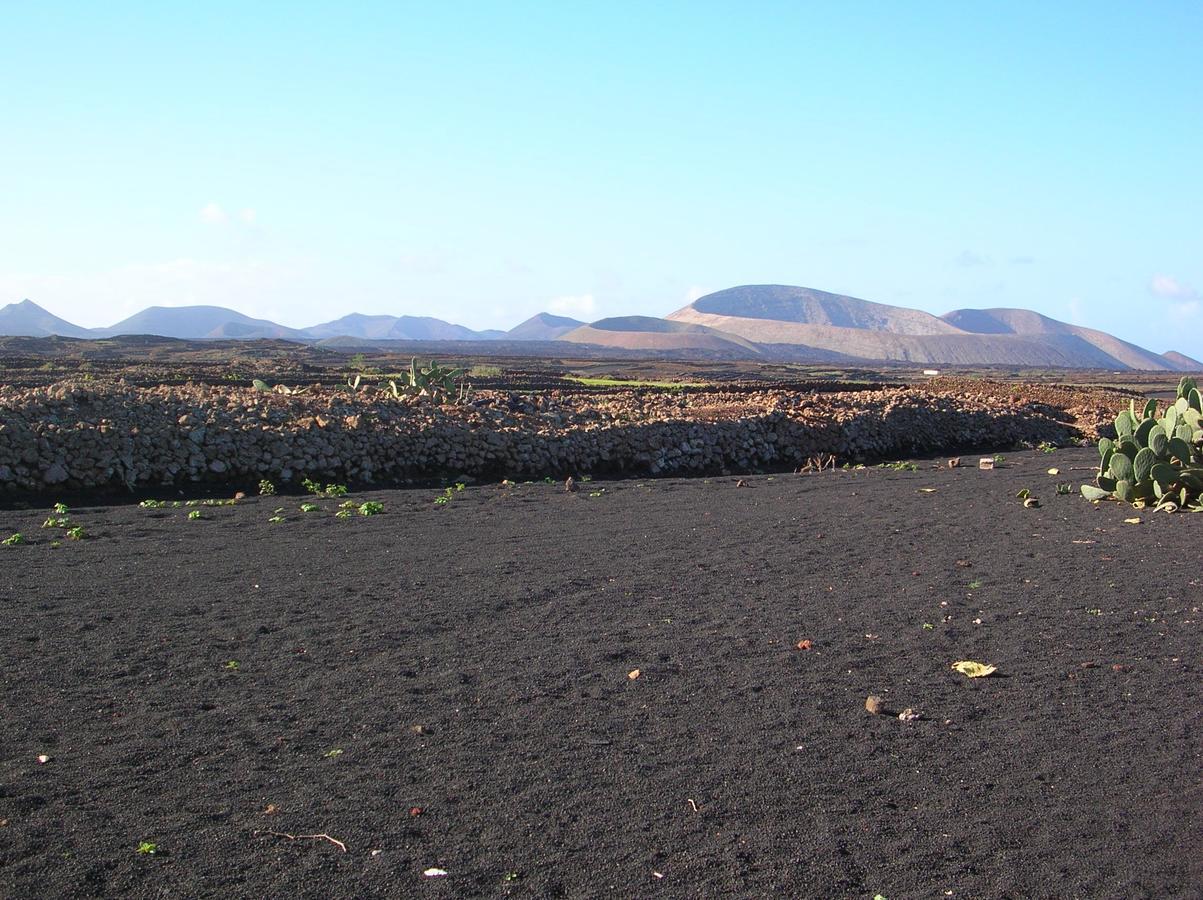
{"x": 874, "y": 704}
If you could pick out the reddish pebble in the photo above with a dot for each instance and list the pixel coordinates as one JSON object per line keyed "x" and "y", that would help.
{"x": 804, "y": 645}
{"x": 415, "y": 811}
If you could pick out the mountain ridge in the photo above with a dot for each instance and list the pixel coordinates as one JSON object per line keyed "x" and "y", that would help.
{"x": 755, "y": 321}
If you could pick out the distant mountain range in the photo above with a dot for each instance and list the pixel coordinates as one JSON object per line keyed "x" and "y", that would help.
{"x": 771, "y": 322}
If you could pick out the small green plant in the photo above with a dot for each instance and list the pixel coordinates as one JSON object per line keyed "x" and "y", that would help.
{"x": 900, "y": 466}
{"x": 371, "y": 508}
{"x": 54, "y": 545}
{"x": 1023, "y": 494}
{"x": 459, "y": 487}
{"x": 1065, "y": 488}
{"x": 57, "y": 522}
{"x": 76, "y": 533}
{"x": 14, "y": 539}
{"x": 1093, "y": 611}
{"x": 153, "y": 504}
{"x": 333, "y": 754}
{"x": 266, "y": 488}
{"x": 277, "y": 515}
{"x": 309, "y": 507}
{"x": 232, "y": 665}
{"x": 330, "y": 490}
{"x": 928, "y": 626}
{"x": 148, "y": 848}
{"x": 1046, "y": 447}
{"x": 444, "y": 498}
{"x": 974, "y": 585}
{"x": 194, "y": 514}
{"x": 1155, "y": 461}
{"x": 999, "y": 459}
{"x": 60, "y": 509}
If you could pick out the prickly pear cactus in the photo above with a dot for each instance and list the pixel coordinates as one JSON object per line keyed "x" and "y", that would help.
{"x": 1154, "y": 460}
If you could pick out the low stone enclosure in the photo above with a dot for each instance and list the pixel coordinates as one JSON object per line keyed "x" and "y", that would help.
{"x": 88, "y": 435}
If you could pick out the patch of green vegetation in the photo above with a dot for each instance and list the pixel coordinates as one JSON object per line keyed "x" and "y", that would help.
{"x": 899, "y": 466}
{"x": 13, "y": 539}
{"x": 266, "y": 488}
{"x": 76, "y": 533}
{"x": 371, "y": 508}
{"x": 233, "y": 665}
{"x": 148, "y": 848}
{"x": 485, "y": 372}
{"x": 330, "y": 490}
{"x": 309, "y": 507}
{"x": 153, "y": 504}
{"x": 194, "y": 514}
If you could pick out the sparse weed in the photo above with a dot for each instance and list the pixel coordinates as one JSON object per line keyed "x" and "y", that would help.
{"x": 233, "y": 665}
{"x": 148, "y": 848}
{"x": 14, "y": 539}
{"x": 194, "y": 514}
{"x": 974, "y": 585}
{"x": 330, "y": 490}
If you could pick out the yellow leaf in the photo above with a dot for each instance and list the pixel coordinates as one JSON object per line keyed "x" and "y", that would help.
{"x": 1054, "y": 471}
{"x": 1132, "y": 521}
{"x": 972, "y": 669}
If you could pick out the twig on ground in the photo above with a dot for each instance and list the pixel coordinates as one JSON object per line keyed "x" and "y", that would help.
{"x": 302, "y": 837}
{"x": 693, "y": 805}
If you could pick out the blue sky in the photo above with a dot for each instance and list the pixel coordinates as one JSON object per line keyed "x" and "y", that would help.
{"x": 483, "y": 161}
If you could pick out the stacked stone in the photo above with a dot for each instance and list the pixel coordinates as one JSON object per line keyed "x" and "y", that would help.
{"x": 89, "y": 435}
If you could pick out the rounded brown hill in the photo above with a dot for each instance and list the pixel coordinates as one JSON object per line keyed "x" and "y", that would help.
{"x": 786, "y": 303}
{"x": 648, "y": 333}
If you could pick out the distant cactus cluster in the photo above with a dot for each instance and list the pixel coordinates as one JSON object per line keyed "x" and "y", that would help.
{"x": 439, "y": 383}
{"x": 1153, "y": 460}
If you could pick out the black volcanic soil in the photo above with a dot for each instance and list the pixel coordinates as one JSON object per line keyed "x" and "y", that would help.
{"x": 447, "y": 686}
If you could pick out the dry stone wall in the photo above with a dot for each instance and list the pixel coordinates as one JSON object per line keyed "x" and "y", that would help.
{"x": 89, "y": 435}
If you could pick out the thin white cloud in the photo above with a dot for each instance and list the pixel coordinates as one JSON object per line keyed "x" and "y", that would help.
{"x": 1172, "y": 288}
{"x": 248, "y": 215}
{"x": 577, "y": 306}
{"x": 694, "y": 293}
{"x": 969, "y": 259}
{"x": 212, "y": 214}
